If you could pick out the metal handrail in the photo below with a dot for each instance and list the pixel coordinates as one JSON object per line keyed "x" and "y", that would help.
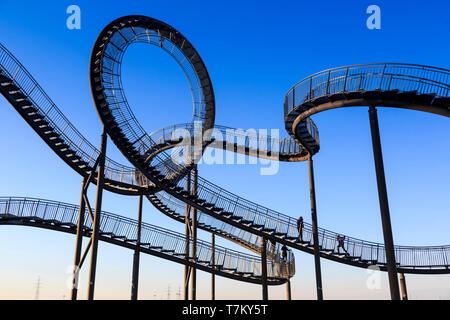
{"x": 383, "y": 76}
{"x": 57, "y": 120}
{"x": 126, "y": 228}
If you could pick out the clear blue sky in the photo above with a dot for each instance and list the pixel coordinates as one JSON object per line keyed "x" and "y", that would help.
{"x": 254, "y": 51}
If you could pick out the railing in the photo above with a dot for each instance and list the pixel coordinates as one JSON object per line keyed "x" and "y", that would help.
{"x": 56, "y": 119}
{"x": 151, "y": 236}
{"x": 407, "y": 256}
{"x": 382, "y": 76}
{"x": 245, "y": 238}
{"x": 246, "y": 141}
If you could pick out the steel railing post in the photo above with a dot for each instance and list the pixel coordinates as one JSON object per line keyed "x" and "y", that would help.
{"x": 194, "y": 235}
{"x": 213, "y": 262}
{"x": 403, "y": 287}
{"x": 315, "y": 231}
{"x": 187, "y": 237}
{"x": 97, "y": 215}
{"x": 264, "y": 268}
{"x": 384, "y": 205}
{"x": 79, "y": 242}
{"x": 135, "y": 279}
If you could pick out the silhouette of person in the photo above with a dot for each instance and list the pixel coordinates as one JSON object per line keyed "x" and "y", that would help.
{"x": 284, "y": 252}
{"x": 340, "y": 241}
{"x": 300, "y": 228}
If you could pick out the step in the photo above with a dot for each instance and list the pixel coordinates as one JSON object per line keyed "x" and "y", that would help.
{"x": 10, "y": 88}
{"x": 226, "y": 214}
{"x": 229, "y": 269}
{"x": 18, "y": 96}
{"x": 179, "y": 254}
{"x": 407, "y": 95}
{"x": 23, "y": 103}
{"x": 208, "y": 205}
{"x": 425, "y": 98}
{"x": 337, "y": 96}
{"x": 354, "y": 94}
{"x": 368, "y": 261}
{"x": 4, "y": 79}
{"x": 441, "y": 102}
{"x": 320, "y": 100}
{"x": 118, "y": 237}
{"x": 372, "y": 94}
{"x": 202, "y": 261}
{"x": 389, "y": 94}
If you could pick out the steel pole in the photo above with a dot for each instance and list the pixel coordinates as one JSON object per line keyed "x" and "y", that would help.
{"x": 79, "y": 241}
{"x": 97, "y": 214}
{"x": 265, "y": 293}
{"x": 312, "y": 193}
{"x": 136, "y": 255}
{"x": 288, "y": 290}
{"x": 194, "y": 236}
{"x": 403, "y": 286}
{"x": 187, "y": 237}
{"x": 384, "y": 205}
{"x": 213, "y": 262}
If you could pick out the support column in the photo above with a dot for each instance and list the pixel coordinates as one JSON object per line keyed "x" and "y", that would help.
{"x": 403, "y": 287}
{"x": 288, "y": 290}
{"x": 135, "y": 279}
{"x": 384, "y": 205}
{"x": 187, "y": 238}
{"x": 97, "y": 214}
{"x": 265, "y": 293}
{"x": 312, "y": 192}
{"x": 79, "y": 242}
{"x": 213, "y": 263}
{"x": 194, "y": 236}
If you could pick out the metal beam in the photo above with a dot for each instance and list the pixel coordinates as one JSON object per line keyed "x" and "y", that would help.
{"x": 288, "y": 290}
{"x": 97, "y": 214}
{"x": 312, "y": 193}
{"x": 213, "y": 263}
{"x": 403, "y": 286}
{"x": 135, "y": 279}
{"x": 265, "y": 293}
{"x": 384, "y": 204}
{"x": 79, "y": 242}
{"x": 187, "y": 238}
{"x": 194, "y": 235}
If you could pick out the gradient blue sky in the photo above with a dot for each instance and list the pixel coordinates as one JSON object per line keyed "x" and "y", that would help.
{"x": 254, "y": 51}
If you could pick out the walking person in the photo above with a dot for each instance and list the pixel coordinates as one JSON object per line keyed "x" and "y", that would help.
{"x": 300, "y": 228}
{"x": 340, "y": 241}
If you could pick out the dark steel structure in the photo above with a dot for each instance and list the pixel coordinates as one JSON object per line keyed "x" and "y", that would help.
{"x": 157, "y": 241}
{"x": 176, "y": 189}
{"x": 396, "y": 85}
